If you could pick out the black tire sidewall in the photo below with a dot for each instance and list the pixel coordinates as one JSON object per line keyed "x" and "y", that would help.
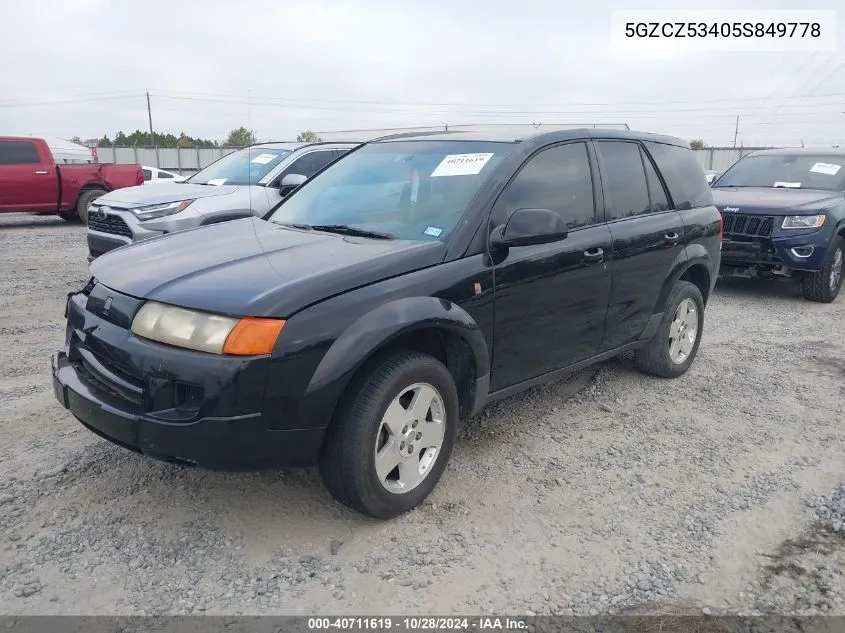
{"x": 363, "y": 482}
{"x": 837, "y": 244}
{"x": 84, "y": 201}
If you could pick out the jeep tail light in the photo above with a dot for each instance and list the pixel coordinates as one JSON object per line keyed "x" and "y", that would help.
{"x": 139, "y": 177}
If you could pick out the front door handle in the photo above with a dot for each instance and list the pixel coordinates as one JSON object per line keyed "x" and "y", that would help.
{"x": 593, "y": 256}
{"x": 41, "y": 173}
{"x": 671, "y": 239}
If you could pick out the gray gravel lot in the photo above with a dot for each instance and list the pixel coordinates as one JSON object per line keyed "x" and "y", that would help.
{"x": 722, "y": 491}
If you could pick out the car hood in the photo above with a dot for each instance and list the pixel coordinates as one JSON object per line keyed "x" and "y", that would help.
{"x": 251, "y": 267}
{"x": 775, "y": 201}
{"x": 141, "y": 196}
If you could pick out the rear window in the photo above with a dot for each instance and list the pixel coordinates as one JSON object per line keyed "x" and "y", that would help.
{"x": 18, "y": 153}
{"x": 683, "y": 175}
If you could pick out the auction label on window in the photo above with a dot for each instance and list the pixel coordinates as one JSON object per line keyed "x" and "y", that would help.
{"x": 825, "y": 168}
{"x": 461, "y": 165}
{"x": 263, "y": 159}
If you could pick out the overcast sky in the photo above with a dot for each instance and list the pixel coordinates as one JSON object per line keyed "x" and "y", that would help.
{"x": 80, "y": 67}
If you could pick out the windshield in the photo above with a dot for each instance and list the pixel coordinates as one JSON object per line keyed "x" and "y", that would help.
{"x": 412, "y": 190}
{"x": 804, "y": 171}
{"x": 242, "y": 167}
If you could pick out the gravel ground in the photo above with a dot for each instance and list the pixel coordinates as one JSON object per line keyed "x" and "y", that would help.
{"x": 720, "y": 492}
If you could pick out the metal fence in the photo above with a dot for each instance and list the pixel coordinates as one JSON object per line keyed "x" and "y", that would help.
{"x": 186, "y": 161}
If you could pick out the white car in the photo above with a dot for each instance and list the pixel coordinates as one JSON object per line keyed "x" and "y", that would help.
{"x": 153, "y": 175}
{"x": 711, "y": 175}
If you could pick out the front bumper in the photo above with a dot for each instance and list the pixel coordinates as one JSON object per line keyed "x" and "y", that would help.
{"x": 167, "y": 403}
{"x": 118, "y": 228}
{"x": 780, "y": 255}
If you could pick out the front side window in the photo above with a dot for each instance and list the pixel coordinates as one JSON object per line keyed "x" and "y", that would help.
{"x": 310, "y": 163}
{"x": 245, "y": 166}
{"x": 798, "y": 171}
{"x": 558, "y": 179}
{"x": 412, "y": 190}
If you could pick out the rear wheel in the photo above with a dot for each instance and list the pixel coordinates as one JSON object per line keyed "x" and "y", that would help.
{"x": 824, "y": 285}
{"x": 84, "y": 201}
{"x": 393, "y": 435}
{"x": 673, "y": 348}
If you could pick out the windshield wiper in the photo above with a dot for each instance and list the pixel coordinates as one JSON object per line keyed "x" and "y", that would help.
{"x": 345, "y": 229}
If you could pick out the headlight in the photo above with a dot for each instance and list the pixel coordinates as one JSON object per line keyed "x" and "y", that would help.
{"x": 205, "y": 332}
{"x": 160, "y": 210}
{"x": 802, "y": 221}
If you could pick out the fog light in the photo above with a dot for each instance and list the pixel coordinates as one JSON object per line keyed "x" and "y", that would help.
{"x": 803, "y": 251}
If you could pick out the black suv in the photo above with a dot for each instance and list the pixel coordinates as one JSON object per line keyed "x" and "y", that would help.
{"x": 401, "y": 289}
{"x": 784, "y": 212}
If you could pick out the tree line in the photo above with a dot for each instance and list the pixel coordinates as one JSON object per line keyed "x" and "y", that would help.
{"x": 238, "y": 137}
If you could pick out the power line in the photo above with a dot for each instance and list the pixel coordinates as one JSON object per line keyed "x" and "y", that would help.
{"x": 201, "y": 95}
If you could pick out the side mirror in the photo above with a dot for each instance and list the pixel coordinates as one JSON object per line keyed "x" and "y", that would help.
{"x": 530, "y": 226}
{"x": 291, "y": 182}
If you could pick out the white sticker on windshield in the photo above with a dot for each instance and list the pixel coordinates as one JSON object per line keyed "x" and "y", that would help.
{"x": 263, "y": 159}
{"x": 793, "y": 185}
{"x": 461, "y": 165}
{"x": 216, "y": 181}
{"x": 826, "y": 168}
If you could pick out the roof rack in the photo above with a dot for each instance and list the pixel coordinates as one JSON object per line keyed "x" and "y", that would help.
{"x": 413, "y": 134}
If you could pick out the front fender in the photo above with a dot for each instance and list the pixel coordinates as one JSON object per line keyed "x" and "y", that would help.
{"x": 374, "y": 331}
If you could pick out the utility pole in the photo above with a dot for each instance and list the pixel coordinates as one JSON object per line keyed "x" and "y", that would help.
{"x": 150, "y": 117}
{"x": 152, "y": 134}
{"x": 736, "y": 130}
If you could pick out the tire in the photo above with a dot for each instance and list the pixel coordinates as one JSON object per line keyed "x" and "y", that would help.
{"x": 824, "y": 286}
{"x": 659, "y": 357}
{"x": 362, "y": 427}
{"x": 84, "y": 201}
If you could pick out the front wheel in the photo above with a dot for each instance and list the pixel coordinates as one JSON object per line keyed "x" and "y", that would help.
{"x": 84, "y": 201}
{"x": 672, "y": 349}
{"x": 824, "y": 286}
{"x": 392, "y": 436}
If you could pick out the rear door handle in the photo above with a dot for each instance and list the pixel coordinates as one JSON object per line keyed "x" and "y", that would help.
{"x": 41, "y": 173}
{"x": 593, "y": 256}
{"x": 671, "y": 238}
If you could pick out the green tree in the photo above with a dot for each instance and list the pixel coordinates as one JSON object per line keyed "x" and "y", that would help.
{"x": 697, "y": 144}
{"x": 162, "y": 139}
{"x": 76, "y": 139}
{"x": 240, "y": 137}
{"x": 308, "y": 136}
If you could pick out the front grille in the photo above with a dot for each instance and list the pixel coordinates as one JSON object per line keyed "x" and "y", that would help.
{"x": 113, "y": 224}
{"x": 748, "y": 225}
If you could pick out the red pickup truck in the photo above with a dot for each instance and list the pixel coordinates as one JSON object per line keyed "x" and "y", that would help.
{"x": 31, "y": 181}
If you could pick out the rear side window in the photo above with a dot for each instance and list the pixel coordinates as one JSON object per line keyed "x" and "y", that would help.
{"x": 656, "y": 192}
{"x": 683, "y": 175}
{"x": 624, "y": 178}
{"x": 147, "y": 174}
{"x": 18, "y": 153}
